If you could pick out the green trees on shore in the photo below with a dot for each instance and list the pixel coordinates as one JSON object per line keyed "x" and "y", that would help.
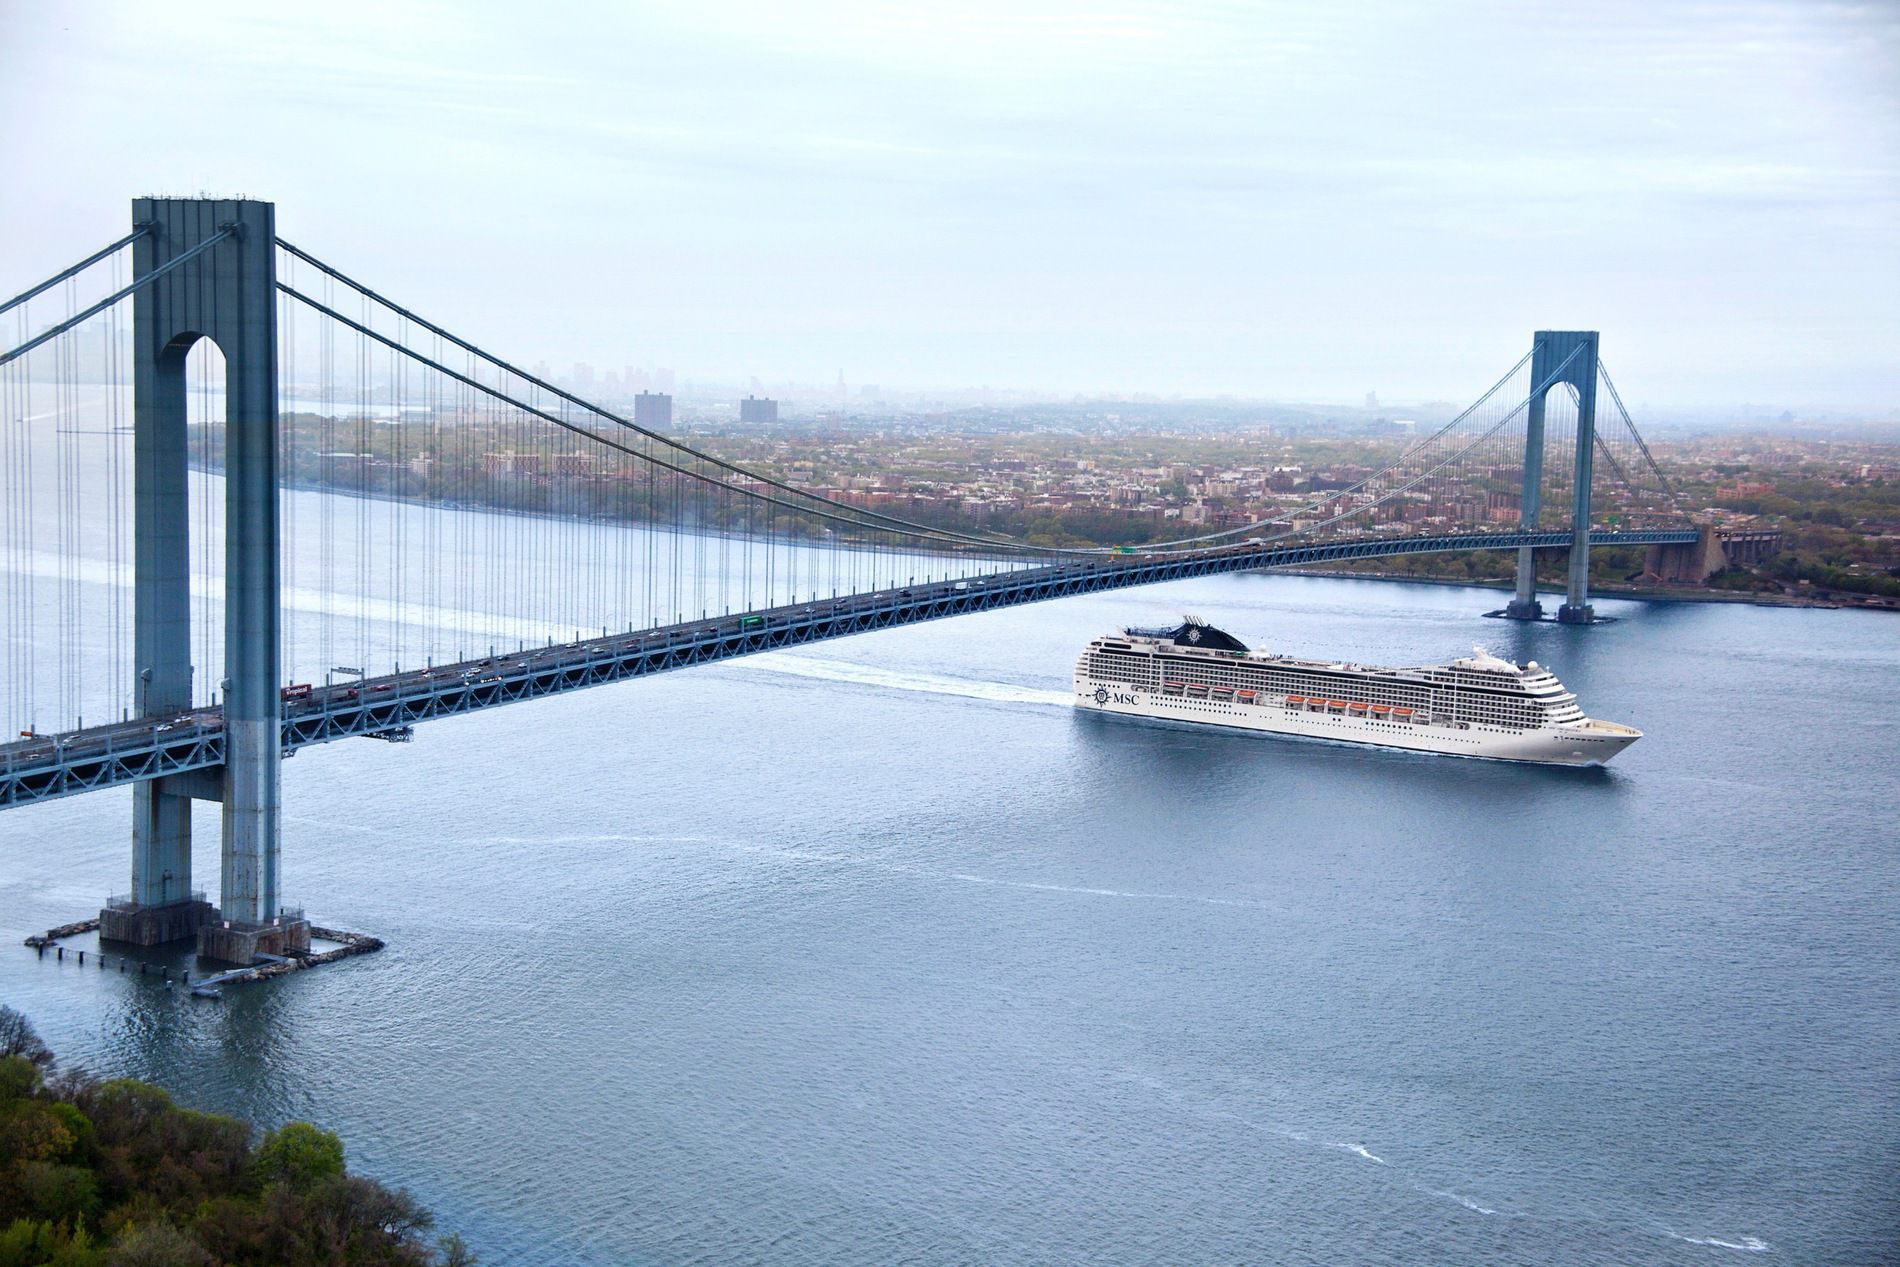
{"x": 114, "y": 1174}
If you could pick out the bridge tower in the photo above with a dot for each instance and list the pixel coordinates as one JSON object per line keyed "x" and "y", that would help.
{"x": 1559, "y": 357}
{"x": 226, "y": 293}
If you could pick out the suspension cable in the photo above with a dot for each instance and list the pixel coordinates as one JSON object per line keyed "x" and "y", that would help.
{"x": 1669, "y": 489}
{"x": 1443, "y": 463}
{"x": 820, "y": 510}
{"x": 1351, "y": 489}
{"x": 53, "y": 332}
{"x": 701, "y": 455}
{"x": 806, "y": 503}
{"x": 75, "y": 270}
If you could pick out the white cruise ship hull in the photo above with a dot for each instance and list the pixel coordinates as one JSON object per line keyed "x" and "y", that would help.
{"x": 1584, "y": 744}
{"x": 1477, "y": 706}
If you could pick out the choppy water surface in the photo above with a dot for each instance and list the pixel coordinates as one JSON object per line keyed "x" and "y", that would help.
{"x": 879, "y": 953}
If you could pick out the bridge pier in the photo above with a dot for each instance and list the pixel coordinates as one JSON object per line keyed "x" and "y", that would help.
{"x": 1559, "y": 357}
{"x": 227, "y": 294}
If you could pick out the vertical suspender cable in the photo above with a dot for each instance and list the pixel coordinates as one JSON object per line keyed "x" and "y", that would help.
{"x": 289, "y": 560}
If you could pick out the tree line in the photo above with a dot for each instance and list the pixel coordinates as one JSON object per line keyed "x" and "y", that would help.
{"x": 114, "y": 1174}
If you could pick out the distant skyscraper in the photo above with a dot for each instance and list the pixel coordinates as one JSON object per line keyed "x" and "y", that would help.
{"x": 653, "y": 409}
{"x": 583, "y": 376}
{"x": 758, "y": 409}
{"x": 841, "y": 390}
{"x": 1372, "y": 400}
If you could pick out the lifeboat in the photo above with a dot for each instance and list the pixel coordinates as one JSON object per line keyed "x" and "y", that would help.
{"x": 1382, "y": 708}
{"x": 1223, "y": 690}
{"x": 1406, "y": 713}
{"x": 1335, "y": 703}
{"x": 1294, "y": 701}
{"x": 1357, "y": 707}
{"x": 1193, "y": 687}
{"x": 1170, "y": 687}
{"x": 1247, "y": 696}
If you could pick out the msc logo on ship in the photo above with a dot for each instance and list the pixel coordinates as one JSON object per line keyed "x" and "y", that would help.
{"x": 1103, "y": 695}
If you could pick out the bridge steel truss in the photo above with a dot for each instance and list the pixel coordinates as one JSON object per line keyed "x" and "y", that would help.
{"x": 171, "y": 753}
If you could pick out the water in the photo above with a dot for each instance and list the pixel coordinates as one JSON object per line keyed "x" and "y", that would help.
{"x": 878, "y": 952}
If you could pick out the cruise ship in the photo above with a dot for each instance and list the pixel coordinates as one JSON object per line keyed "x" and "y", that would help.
{"x": 1479, "y": 706}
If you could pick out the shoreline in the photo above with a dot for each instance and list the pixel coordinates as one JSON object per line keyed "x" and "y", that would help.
{"x": 1636, "y": 593}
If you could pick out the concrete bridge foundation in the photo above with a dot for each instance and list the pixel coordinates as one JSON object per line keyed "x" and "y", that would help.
{"x": 155, "y": 925}
{"x": 231, "y": 942}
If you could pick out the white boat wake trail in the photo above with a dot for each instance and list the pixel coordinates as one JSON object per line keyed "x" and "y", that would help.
{"x": 1357, "y": 1150}
{"x": 1747, "y": 1244}
{"x": 890, "y": 679}
{"x": 1466, "y": 1202}
{"x": 965, "y": 878}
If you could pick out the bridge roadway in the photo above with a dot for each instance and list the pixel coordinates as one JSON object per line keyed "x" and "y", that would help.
{"x": 189, "y": 748}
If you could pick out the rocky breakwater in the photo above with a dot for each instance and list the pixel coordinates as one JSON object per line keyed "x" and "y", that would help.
{"x": 350, "y": 944}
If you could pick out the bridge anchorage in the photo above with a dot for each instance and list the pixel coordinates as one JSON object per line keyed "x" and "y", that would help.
{"x": 388, "y": 493}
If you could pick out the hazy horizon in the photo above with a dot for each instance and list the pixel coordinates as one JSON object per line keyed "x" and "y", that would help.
{"x": 1282, "y": 202}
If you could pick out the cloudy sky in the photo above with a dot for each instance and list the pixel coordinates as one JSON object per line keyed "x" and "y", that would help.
{"x": 1292, "y": 200}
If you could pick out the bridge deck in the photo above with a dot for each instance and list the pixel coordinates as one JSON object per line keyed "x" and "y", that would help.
{"x": 46, "y": 767}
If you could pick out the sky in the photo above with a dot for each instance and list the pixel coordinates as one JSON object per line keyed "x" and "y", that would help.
{"x": 1295, "y": 201}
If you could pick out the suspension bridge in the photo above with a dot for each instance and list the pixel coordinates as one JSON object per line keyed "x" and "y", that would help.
{"x": 253, "y": 504}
